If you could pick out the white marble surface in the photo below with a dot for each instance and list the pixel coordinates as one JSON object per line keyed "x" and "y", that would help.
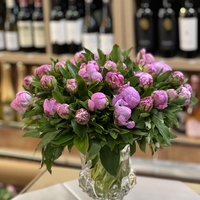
{"x": 145, "y": 189}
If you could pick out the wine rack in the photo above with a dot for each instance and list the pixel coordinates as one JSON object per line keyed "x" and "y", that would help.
{"x": 177, "y": 62}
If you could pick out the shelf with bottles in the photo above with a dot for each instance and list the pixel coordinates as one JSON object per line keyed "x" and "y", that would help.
{"x": 177, "y": 62}
{"x": 52, "y": 31}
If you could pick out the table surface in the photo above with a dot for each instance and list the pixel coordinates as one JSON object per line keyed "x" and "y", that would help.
{"x": 64, "y": 180}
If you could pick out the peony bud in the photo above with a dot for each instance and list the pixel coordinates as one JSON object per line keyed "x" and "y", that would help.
{"x": 189, "y": 87}
{"x": 146, "y": 104}
{"x": 82, "y": 116}
{"x": 149, "y": 68}
{"x": 42, "y": 70}
{"x": 22, "y": 101}
{"x": 160, "y": 98}
{"x": 63, "y": 111}
{"x": 59, "y": 65}
{"x": 48, "y": 82}
{"x": 110, "y": 65}
{"x": 27, "y": 82}
{"x": 172, "y": 94}
{"x": 80, "y": 58}
{"x": 176, "y": 78}
{"x": 185, "y": 93}
{"x": 122, "y": 115}
{"x": 114, "y": 79}
{"x": 98, "y": 101}
{"x": 71, "y": 86}
{"x": 50, "y": 107}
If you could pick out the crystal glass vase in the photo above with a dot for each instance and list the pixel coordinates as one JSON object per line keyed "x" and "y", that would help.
{"x": 100, "y": 185}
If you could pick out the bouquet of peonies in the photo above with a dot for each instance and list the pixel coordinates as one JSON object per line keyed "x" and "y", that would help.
{"x": 101, "y": 102}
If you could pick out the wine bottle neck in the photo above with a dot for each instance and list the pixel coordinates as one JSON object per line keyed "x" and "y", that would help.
{"x": 188, "y": 3}
{"x": 145, "y": 4}
{"x": 166, "y": 4}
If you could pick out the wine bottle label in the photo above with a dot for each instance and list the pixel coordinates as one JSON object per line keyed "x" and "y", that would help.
{"x": 8, "y": 114}
{"x": 25, "y": 33}
{"x": 74, "y": 31}
{"x": 57, "y": 32}
{"x": 2, "y": 43}
{"x": 188, "y": 33}
{"x": 106, "y": 42}
{"x": 144, "y": 24}
{"x": 10, "y": 3}
{"x": 11, "y": 40}
{"x": 167, "y": 24}
{"x": 90, "y": 41}
{"x": 39, "y": 34}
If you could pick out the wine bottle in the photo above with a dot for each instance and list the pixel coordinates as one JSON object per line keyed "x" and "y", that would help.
{"x": 106, "y": 38}
{"x": 10, "y": 27}
{"x": 90, "y": 36}
{"x": 188, "y": 30}
{"x": 144, "y": 26}
{"x": 2, "y": 18}
{"x": 38, "y": 27}
{"x": 24, "y": 25}
{"x": 7, "y": 93}
{"x": 31, "y": 6}
{"x": 74, "y": 26}
{"x": 167, "y": 30}
{"x": 57, "y": 28}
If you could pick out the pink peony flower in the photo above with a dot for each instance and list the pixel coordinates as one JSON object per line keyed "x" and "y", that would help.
{"x": 22, "y": 101}
{"x": 63, "y": 111}
{"x": 145, "y": 80}
{"x": 149, "y": 68}
{"x": 98, "y": 101}
{"x": 161, "y": 66}
{"x": 42, "y": 70}
{"x": 160, "y": 98}
{"x": 90, "y": 72}
{"x": 127, "y": 96}
{"x": 48, "y": 82}
{"x": 71, "y": 86}
{"x": 122, "y": 116}
{"x": 50, "y": 107}
{"x": 146, "y": 104}
{"x": 82, "y": 116}
{"x": 144, "y": 58}
{"x": 114, "y": 79}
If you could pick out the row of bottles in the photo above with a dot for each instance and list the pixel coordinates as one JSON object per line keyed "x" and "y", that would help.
{"x": 10, "y": 83}
{"x": 169, "y": 30}
{"x": 23, "y": 27}
{"x": 90, "y": 27}
{"x": 72, "y": 26}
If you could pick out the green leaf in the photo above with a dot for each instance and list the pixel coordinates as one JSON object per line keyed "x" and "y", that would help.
{"x": 163, "y": 130}
{"x": 94, "y": 150}
{"x": 72, "y": 69}
{"x": 194, "y": 100}
{"x": 134, "y": 80}
{"x": 81, "y": 144}
{"x": 102, "y": 57}
{"x": 95, "y": 86}
{"x": 142, "y": 144}
{"x": 110, "y": 160}
{"x": 34, "y": 112}
{"x": 32, "y": 133}
{"x": 164, "y": 76}
{"x": 80, "y": 130}
{"x": 132, "y": 148}
{"x": 65, "y": 73}
{"x": 82, "y": 87}
{"x": 115, "y": 54}
{"x": 47, "y": 138}
{"x": 63, "y": 139}
{"x": 58, "y": 96}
